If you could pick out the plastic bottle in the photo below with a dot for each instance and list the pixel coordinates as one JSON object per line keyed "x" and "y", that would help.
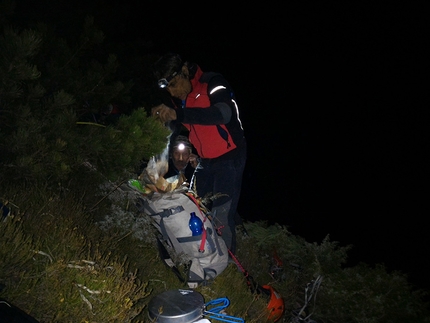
{"x": 195, "y": 224}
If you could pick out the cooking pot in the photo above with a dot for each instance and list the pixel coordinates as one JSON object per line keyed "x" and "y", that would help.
{"x": 178, "y": 306}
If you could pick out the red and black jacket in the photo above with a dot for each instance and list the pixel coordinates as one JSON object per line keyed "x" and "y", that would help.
{"x": 211, "y": 115}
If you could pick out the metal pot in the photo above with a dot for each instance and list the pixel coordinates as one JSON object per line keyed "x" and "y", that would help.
{"x": 178, "y": 306}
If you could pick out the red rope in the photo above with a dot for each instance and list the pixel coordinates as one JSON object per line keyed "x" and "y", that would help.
{"x": 238, "y": 263}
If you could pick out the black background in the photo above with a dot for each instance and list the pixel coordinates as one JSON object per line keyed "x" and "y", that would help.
{"x": 332, "y": 98}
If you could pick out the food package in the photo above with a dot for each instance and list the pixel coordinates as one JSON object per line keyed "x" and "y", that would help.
{"x": 167, "y": 185}
{"x": 159, "y": 183}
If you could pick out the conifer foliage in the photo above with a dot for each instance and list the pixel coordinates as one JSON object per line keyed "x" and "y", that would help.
{"x": 51, "y": 96}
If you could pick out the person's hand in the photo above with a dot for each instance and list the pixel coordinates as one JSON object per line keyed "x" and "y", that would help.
{"x": 193, "y": 160}
{"x": 163, "y": 113}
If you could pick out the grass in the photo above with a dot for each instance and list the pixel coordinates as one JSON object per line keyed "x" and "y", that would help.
{"x": 88, "y": 255}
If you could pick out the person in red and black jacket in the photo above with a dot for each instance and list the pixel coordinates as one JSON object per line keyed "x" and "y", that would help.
{"x": 210, "y": 113}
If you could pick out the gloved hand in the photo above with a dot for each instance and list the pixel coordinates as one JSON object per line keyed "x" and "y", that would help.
{"x": 163, "y": 113}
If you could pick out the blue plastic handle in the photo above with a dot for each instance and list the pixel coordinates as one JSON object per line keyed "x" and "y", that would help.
{"x": 214, "y": 313}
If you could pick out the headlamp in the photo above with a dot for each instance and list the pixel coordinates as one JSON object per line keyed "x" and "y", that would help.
{"x": 162, "y": 83}
{"x": 181, "y": 146}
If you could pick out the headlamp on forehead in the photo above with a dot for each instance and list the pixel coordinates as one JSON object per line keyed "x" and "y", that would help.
{"x": 181, "y": 143}
{"x": 181, "y": 146}
{"x": 162, "y": 83}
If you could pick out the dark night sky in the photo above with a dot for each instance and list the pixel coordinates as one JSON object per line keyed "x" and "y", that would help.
{"x": 332, "y": 102}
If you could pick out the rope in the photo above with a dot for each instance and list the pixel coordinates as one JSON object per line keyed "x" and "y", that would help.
{"x": 315, "y": 286}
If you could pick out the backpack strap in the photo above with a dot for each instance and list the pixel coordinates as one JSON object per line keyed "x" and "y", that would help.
{"x": 168, "y": 212}
{"x": 169, "y": 236}
{"x": 164, "y": 231}
{"x": 143, "y": 206}
{"x": 164, "y": 254}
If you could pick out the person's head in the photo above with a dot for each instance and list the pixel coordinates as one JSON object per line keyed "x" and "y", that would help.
{"x": 180, "y": 152}
{"x": 173, "y": 75}
{"x": 107, "y": 110}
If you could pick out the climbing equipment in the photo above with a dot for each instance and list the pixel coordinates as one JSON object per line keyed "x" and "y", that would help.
{"x": 276, "y": 305}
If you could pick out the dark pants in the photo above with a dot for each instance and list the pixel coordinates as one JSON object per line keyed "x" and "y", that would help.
{"x": 222, "y": 179}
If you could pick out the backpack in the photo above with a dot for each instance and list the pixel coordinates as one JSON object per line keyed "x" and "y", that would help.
{"x": 207, "y": 253}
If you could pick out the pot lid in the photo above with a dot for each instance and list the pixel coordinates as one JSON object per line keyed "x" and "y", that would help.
{"x": 178, "y": 306}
